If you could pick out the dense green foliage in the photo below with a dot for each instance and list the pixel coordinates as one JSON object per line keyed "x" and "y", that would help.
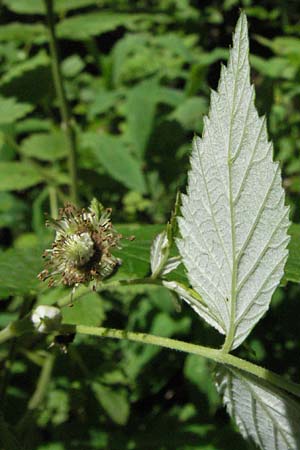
{"x": 137, "y": 76}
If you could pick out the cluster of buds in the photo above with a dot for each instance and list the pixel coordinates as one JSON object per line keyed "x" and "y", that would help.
{"x": 81, "y": 251}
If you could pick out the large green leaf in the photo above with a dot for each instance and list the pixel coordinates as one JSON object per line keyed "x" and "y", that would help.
{"x": 110, "y": 152}
{"x": 45, "y": 146}
{"x": 11, "y": 110}
{"x": 18, "y": 271}
{"x": 15, "y": 176}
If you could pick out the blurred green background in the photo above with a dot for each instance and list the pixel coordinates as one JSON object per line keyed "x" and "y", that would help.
{"x": 138, "y": 76}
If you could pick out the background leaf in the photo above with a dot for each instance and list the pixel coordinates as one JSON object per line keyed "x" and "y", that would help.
{"x": 10, "y": 110}
{"x": 292, "y": 268}
{"x": 18, "y": 271}
{"x": 45, "y": 146}
{"x": 111, "y": 152}
{"x": 16, "y": 176}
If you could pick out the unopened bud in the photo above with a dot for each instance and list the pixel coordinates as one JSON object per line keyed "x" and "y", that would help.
{"x": 46, "y": 319}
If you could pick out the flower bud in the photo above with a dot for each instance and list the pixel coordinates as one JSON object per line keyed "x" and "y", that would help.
{"x": 46, "y": 319}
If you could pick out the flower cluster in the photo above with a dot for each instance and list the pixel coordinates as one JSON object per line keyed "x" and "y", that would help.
{"x": 81, "y": 251}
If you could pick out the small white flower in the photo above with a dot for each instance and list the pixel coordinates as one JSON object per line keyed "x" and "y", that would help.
{"x": 46, "y": 319}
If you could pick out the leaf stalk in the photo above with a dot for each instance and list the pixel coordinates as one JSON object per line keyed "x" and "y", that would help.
{"x": 215, "y": 355}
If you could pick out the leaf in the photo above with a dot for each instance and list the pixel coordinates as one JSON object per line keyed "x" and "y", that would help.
{"x": 38, "y": 6}
{"x": 12, "y": 211}
{"x": 41, "y": 59}
{"x": 18, "y": 80}
{"x": 171, "y": 264}
{"x": 45, "y": 146}
{"x": 188, "y": 112}
{"x": 111, "y": 152}
{"x": 140, "y": 108}
{"x": 135, "y": 254}
{"x": 84, "y": 26}
{"x": 198, "y": 372}
{"x": 192, "y": 298}
{"x": 292, "y": 268}
{"x": 17, "y": 31}
{"x": 234, "y": 224}
{"x": 87, "y": 310}
{"x": 102, "y": 101}
{"x": 113, "y": 401}
{"x": 159, "y": 252}
{"x": 263, "y": 413}
{"x": 18, "y": 271}
{"x": 11, "y": 110}
{"x": 159, "y": 248}
{"x": 16, "y": 176}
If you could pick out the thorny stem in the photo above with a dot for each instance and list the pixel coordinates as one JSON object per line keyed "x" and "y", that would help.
{"x": 67, "y": 122}
{"x": 210, "y": 353}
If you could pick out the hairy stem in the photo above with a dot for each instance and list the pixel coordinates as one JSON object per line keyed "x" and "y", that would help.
{"x": 82, "y": 290}
{"x": 67, "y": 122}
{"x": 210, "y": 353}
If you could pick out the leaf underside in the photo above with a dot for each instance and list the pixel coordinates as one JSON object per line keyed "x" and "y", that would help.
{"x": 266, "y": 415}
{"x": 234, "y": 221}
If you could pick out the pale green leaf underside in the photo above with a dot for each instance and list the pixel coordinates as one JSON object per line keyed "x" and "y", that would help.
{"x": 234, "y": 224}
{"x": 264, "y": 414}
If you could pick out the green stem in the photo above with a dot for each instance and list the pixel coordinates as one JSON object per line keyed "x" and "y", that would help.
{"x": 67, "y": 122}
{"x": 215, "y": 355}
{"x": 17, "y": 328}
{"x": 82, "y": 290}
{"x": 6, "y": 334}
{"x": 53, "y": 202}
{"x": 43, "y": 382}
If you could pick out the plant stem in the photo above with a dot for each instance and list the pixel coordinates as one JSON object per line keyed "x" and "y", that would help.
{"x": 82, "y": 290}
{"x": 67, "y": 122}
{"x": 43, "y": 382}
{"x": 53, "y": 202}
{"x": 6, "y": 334}
{"x": 213, "y": 354}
